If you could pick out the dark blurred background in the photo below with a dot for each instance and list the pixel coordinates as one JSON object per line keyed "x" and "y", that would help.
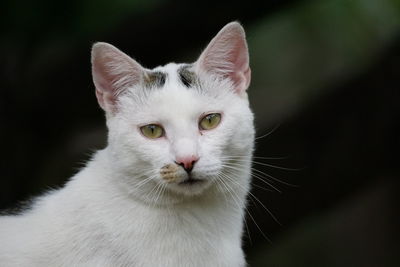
{"x": 325, "y": 90}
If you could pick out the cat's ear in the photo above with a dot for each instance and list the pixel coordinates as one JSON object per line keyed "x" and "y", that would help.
{"x": 227, "y": 56}
{"x": 113, "y": 72}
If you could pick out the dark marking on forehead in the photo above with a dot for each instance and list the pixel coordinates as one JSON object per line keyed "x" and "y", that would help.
{"x": 154, "y": 79}
{"x": 187, "y": 76}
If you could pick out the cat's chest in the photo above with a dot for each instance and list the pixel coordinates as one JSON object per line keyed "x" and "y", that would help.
{"x": 180, "y": 224}
{"x": 169, "y": 237}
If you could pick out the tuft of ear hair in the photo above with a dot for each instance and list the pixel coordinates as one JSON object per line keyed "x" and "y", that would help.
{"x": 113, "y": 71}
{"x": 227, "y": 56}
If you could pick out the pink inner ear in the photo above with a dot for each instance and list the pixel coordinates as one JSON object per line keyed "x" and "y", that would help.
{"x": 113, "y": 72}
{"x": 241, "y": 73}
{"x": 104, "y": 89}
{"x": 241, "y": 80}
{"x": 227, "y": 56}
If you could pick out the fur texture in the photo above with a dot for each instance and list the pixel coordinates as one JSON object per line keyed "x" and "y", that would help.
{"x": 132, "y": 205}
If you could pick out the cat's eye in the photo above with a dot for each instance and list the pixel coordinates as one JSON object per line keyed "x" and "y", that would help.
{"x": 152, "y": 131}
{"x": 210, "y": 121}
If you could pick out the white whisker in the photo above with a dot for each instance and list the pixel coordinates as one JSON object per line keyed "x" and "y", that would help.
{"x": 273, "y": 178}
{"x": 254, "y": 157}
{"x": 266, "y": 164}
{"x": 252, "y": 195}
{"x": 234, "y": 195}
{"x": 239, "y": 164}
{"x": 269, "y": 133}
{"x": 219, "y": 178}
{"x": 261, "y": 178}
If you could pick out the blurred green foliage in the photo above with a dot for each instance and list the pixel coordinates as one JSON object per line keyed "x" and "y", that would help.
{"x": 300, "y": 53}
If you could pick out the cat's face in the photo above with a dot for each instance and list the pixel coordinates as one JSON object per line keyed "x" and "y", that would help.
{"x": 168, "y": 131}
{"x": 175, "y": 128}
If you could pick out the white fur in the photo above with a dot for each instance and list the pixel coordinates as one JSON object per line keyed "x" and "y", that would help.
{"x": 107, "y": 216}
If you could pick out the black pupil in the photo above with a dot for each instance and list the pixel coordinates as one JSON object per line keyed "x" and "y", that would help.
{"x": 152, "y": 128}
{"x": 209, "y": 118}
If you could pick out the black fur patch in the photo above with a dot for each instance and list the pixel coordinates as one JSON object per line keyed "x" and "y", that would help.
{"x": 155, "y": 79}
{"x": 187, "y": 76}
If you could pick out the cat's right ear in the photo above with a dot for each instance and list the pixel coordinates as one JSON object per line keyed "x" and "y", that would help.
{"x": 113, "y": 72}
{"x": 227, "y": 56}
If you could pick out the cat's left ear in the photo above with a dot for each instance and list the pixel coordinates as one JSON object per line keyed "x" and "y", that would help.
{"x": 227, "y": 56}
{"x": 113, "y": 72}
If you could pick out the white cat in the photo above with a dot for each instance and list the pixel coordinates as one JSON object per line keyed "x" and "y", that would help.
{"x": 170, "y": 188}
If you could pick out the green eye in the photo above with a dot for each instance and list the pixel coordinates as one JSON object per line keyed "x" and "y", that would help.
{"x": 210, "y": 121}
{"x": 152, "y": 131}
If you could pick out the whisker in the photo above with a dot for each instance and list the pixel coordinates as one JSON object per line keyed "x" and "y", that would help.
{"x": 160, "y": 193}
{"x": 267, "y": 183}
{"x": 268, "y": 165}
{"x": 254, "y": 157}
{"x": 238, "y": 164}
{"x": 261, "y": 187}
{"x": 253, "y": 175}
{"x": 274, "y": 178}
{"x": 143, "y": 182}
{"x": 151, "y": 194}
{"x": 275, "y": 166}
{"x": 219, "y": 178}
{"x": 248, "y": 212}
{"x": 252, "y": 195}
{"x": 273, "y": 158}
{"x": 269, "y": 133}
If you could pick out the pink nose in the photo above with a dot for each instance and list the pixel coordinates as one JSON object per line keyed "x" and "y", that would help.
{"x": 187, "y": 162}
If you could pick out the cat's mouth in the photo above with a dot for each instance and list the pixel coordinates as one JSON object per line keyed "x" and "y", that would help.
{"x": 191, "y": 181}
{"x": 189, "y": 184}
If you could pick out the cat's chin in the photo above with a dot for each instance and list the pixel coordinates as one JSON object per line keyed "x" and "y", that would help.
{"x": 190, "y": 186}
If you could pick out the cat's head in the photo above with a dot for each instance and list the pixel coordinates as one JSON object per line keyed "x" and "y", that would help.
{"x": 179, "y": 128}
